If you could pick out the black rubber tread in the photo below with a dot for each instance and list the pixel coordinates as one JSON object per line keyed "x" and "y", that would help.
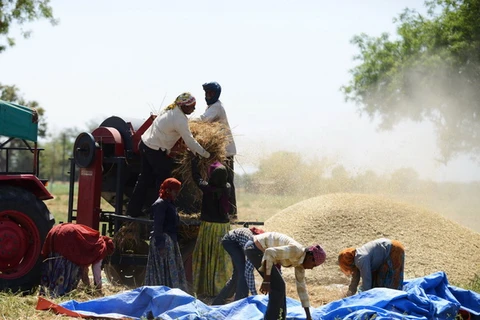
{"x": 14, "y": 198}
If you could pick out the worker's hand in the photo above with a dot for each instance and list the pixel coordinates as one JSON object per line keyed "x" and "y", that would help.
{"x": 349, "y": 293}
{"x": 265, "y": 287}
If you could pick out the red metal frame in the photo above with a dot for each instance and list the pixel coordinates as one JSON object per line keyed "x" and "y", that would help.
{"x": 138, "y": 134}
{"x": 89, "y": 192}
{"x": 28, "y": 182}
{"x": 107, "y": 135}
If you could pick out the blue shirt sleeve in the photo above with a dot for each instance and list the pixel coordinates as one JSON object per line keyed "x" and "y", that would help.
{"x": 159, "y": 209}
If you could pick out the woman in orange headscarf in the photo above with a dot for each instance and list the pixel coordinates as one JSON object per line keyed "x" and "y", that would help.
{"x": 378, "y": 263}
{"x": 165, "y": 263}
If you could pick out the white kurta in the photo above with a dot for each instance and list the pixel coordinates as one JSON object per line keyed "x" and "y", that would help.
{"x": 216, "y": 113}
{"x": 167, "y": 128}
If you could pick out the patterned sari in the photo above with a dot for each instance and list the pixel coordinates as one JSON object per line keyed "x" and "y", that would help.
{"x": 167, "y": 269}
{"x": 212, "y": 266}
{"x": 59, "y": 276}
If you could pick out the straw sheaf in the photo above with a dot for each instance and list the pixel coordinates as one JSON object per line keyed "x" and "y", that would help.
{"x": 337, "y": 221}
{"x": 127, "y": 238}
{"x": 188, "y": 231}
{"x": 212, "y": 137}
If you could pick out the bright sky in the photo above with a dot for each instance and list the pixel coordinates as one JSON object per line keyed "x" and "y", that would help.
{"x": 280, "y": 64}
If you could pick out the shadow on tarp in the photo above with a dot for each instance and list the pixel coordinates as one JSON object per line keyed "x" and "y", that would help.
{"x": 429, "y": 297}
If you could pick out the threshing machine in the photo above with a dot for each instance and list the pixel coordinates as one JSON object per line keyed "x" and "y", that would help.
{"x": 108, "y": 164}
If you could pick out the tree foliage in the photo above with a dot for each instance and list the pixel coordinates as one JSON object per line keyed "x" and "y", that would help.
{"x": 430, "y": 71}
{"x": 21, "y": 12}
{"x": 55, "y": 164}
{"x": 285, "y": 172}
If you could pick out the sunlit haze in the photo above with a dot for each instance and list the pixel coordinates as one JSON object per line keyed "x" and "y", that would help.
{"x": 280, "y": 63}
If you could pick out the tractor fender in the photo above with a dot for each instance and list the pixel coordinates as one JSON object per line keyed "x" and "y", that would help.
{"x": 28, "y": 182}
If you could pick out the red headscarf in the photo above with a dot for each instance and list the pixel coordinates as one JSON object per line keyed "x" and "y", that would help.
{"x": 78, "y": 243}
{"x": 170, "y": 184}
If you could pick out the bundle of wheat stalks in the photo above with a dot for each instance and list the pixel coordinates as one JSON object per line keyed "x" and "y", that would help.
{"x": 188, "y": 230}
{"x": 127, "y": 238}
{"x": 212, "y": 137}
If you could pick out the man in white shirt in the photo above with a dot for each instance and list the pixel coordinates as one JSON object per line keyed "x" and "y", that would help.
{"x": 155, "y": 146}
{"x": 271, "y": 248}
{"x": 215, "y": 112}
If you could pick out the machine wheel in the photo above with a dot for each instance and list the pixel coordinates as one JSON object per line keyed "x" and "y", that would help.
{"x": 24, "y": 224}
{"x": 127, "y": 275}
{"x": 84, "y": 150}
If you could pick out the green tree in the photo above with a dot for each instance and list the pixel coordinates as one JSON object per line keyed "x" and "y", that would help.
{"x": 404, "y": 180}
{"x": 55, "y": 162}
{"x": 340, "y": 180}
{"x": 430, "y": 71}
{"x": 21, "y": 12}
{"x": 368, "y": 182}
{"x": 280, "y": 171}
{"x": 285, "y": 172}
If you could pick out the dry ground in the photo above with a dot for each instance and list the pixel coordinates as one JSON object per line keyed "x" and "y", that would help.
{"x": 335, "y": 221}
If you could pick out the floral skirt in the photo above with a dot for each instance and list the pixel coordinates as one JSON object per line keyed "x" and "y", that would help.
{"x": 390, "y": 274}
{"x": 59, "y": 276}
{"x": 167, "y": 269}
{"x": 212, "y": 266}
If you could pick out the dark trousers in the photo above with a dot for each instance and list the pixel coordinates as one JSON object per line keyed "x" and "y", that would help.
{"x": 277, "y": 298}
{"x": 229, "y": 164}
{"x": 155, "y": 167}
{"x": 237, "y": 284}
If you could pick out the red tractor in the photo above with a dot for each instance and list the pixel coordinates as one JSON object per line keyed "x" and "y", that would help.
{"x": 24, "y": 218}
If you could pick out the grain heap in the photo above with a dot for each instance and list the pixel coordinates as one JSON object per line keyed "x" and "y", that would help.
{"x": 336, "y": 221}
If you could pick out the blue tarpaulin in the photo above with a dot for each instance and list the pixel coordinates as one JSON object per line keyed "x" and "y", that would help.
{"x": 429, "y": 297}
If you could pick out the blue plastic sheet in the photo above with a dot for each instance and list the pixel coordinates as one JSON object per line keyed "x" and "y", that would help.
{"x": 429, "y": 297}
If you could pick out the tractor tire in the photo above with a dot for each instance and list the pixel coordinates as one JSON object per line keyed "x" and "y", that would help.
{"x": 24, "y": 224}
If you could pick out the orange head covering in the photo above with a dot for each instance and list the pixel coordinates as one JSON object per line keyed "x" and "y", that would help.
{"x": 346, "y": 260}
{"x": 170, "y": 184}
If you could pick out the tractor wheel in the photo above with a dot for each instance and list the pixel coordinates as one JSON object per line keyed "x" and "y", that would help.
{"x": 24, "y": 224}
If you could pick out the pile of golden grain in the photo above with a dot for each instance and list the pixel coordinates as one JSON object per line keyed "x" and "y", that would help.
{"x": 336, "y": 221}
